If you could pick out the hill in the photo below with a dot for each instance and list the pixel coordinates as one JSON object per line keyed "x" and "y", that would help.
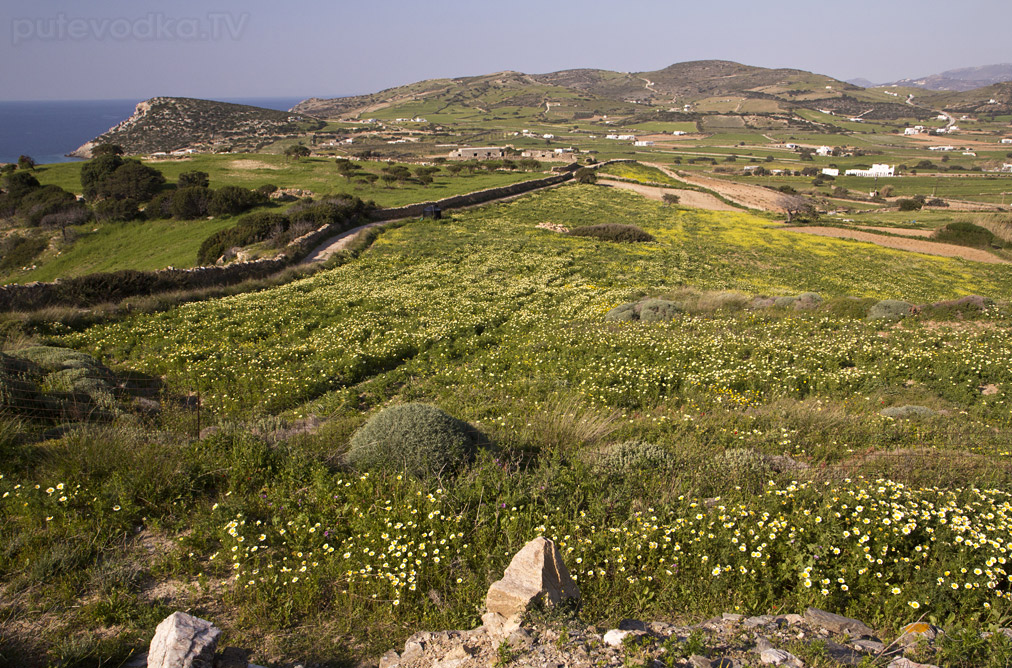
{"x": 594, "y": 92}
{"x": 994, "y": 99}
{"x": 962, "y": 79}
{"x": 174, "y": 123}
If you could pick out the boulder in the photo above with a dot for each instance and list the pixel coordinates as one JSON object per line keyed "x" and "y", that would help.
{"x": 536, "y": 574}
{"x": 903, "y": 662}
{"x": 183, "y": 641}
{"x": 838, "y": 623}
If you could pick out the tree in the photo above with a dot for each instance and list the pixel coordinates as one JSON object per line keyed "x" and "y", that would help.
{"x": 26, "y": 162}
{"x": 194, "y": 180}
{"x": 297, "y": 151}
{"x": 96, "y": 170}
{"x": 454, "y": 168}
{"x": 190, "y": 203}
{"x": 131, "y": 180}
{"x": 670, "y": 198}
{"x": 106, "y": 149}
{"x": 797, "y": 207}
{"x": 347, "y": 168}
{"x": 586, "y": 175}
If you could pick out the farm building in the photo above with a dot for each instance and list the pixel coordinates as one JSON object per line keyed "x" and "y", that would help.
{"x": 481, "y": 153}
{"x": 824, "y": 150}
{"x": 643, "y": 142}
{"x": 1007, "y": 140}
{"x": 941, "y": 148}
{"x": 877, "y": 170}
{"x": 1006, "y": 167}
{"x": 830, "y": 171}
{"x": 679, "y": 133}
{"x": 911, "y": 131}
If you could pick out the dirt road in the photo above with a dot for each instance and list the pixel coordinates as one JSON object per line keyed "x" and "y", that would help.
{"x": 337, "y": 243}
{"x": 691, "y": 198}
{"x": 753, "y": 197}
{"x": 907, "y": 244}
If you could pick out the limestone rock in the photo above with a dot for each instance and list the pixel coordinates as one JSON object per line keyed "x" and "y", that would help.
{"x": 183, "y": 641}
{"x": 536, "y": 572}
{"x": 615, "y": 637}
{"x": 390, "y": 660}
{"x": 903, "y": 662}
{"x": 838, "y": 623}
{"x": 911, "y": 634}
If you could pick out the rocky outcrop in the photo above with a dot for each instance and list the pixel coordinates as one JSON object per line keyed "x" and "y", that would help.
{"x": 167, "y": 124}
{"x": 183, "y": 641}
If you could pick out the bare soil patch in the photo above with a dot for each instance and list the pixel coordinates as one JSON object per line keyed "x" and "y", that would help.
{"x": 753, "y": 197}
{"x": 906, "y": 244}
{"x": 691, "y": 198}
{"x": 251, "y": 164}
{"x": 901, "y": 231}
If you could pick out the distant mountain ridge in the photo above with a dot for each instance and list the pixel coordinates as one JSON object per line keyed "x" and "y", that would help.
{"x": 962, "y": 79}
{"x": 165, "y": 124}
{"x": 596, "y": 92}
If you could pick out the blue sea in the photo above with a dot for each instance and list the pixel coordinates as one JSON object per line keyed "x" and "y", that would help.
{"x": 48, "y": 130}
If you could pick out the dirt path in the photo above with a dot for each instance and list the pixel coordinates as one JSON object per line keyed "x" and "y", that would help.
{"x": 907, "y": 244}
{"x": 337, "y": 243}
{"x": 753, "y": 197}
{"x": 901, "y": 231}
{"x": 690, "y": 198}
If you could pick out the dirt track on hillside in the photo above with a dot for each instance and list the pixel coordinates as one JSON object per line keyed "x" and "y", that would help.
{"x": 690, "y": 198}
{"x": 753, "y": 197}
{"x": 907, "y": 244}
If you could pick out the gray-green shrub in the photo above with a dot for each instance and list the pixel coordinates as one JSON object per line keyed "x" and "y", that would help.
{"x": 889, "y": 309}
{"x": 417, "y": 438}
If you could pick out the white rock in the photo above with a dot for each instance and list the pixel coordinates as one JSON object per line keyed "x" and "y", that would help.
{"x": 536, "y": 571}
{"x": 615, "y": 637}
{"x": 183, "y": 641}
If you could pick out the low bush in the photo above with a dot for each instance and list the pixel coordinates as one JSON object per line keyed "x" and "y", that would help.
{"x": 967, "y": 234}
{"x": 116, "y": 210}
{"x": 907, "y": 412}
{"x": 647, "y": 310}
{"x": 633, "y": 455}
{"x": 420, "y": 439}
{"x": 18, "y": 251}
{"x": 849, "y": 307}
{"x": 908, "y": 205}
{"x": 890, "y": 309}
{"x": 613, "y": 232}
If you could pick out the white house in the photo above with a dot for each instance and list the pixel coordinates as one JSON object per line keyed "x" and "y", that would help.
{"x": 942, "y": 117}
{"x": 941, "y": 148}
{"x": 830, "y": 171}
{"x": 791, "y": 146}
{"x": 953, "y": 128}
{"x": 548, "y": 136}
{"x": 877, "y": 170}
{"x": 1006, "y": 140}
{"x": 824, "y": 151}
{"x": 855, "y": 119}
{"x": 679, "y": 133}
{"x": 1006, "y": 167}
{"x": 969, "y": 153}
{"x": 643, "y": 142}
{"x": 911, "y": 131}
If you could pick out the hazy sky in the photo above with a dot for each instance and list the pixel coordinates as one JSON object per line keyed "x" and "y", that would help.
{"x": 122, "y": 49}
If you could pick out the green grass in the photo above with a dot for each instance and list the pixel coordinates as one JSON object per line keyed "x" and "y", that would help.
{"x": 641, "y": 173}
{"x": 141, "y": 245}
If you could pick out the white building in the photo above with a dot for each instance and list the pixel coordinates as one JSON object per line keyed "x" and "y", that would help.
{"x": 1006, "y": 140}
{"x": 911, "y": 131}
{"x": 1006, "y": 167}
{"x": 942, "y": 117}
{"x": 679, "y": 133}
{"x": 941, "y": 148}
{"x": 877, "y": 170}
{"x": 548, "y": 136}
{"x": 791, "y": 146}
{"x": 643, "y": 142}
{"x": 969, "y": 153}
{"x": 824, "y": 151}
{"x": 830, "y": 171}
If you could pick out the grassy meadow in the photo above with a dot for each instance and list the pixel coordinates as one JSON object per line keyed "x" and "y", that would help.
{"x": 774, "y": 481}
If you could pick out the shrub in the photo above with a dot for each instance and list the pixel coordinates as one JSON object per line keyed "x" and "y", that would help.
{"x": 890, "y": 309}
{"x": 658, "y": 310}
{"x": 417, "y": 438}
{"x": 909, "y": 204}
{"x": 633, "y": 455}
{"x": 131, "y": 180}
{"x": 190, "y": 203}
{"x": 966, "y": 234}
{"x": 907, "y": 412}
{"x": 963, "y": 308}
{"x": 585, "y": 175}
{"x": 231, "y": 200}
{"x": 613, "y": 232}
{"x": 41, "y": 202}
{"x": 936, "y": 202}
{"x": 17, "y": 251}
{"x": 250, "y": 229}
{"x": 117, "y": 210}
{"x": 849, "y": 307}
{"x": 193, "y": 179}
{"x": 67, "y": 217}
{"x": 742, "y": 467}
{"x": 647, "y": 310}
{"x": 160, "y": 206}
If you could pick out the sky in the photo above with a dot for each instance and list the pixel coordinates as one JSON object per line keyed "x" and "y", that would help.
{"x": 136, "y": 49}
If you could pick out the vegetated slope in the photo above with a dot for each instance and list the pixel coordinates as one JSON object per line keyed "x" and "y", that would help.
{"x": 597, "y": 91}
{"x": 978, "y": 101}
{"x": 961, "y": 79}
{"x": 172, "y": 123}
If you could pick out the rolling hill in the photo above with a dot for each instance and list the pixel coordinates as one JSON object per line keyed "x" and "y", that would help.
{"x": 962, "y": 79}
{"x": 591, "y": 92}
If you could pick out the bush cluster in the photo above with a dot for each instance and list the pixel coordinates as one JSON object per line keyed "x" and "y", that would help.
{"x": 636, "y": 455}
{"x": 419, "y": 439}
{"x": 967, "y": 234}
{"x": 613, "y": 232}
